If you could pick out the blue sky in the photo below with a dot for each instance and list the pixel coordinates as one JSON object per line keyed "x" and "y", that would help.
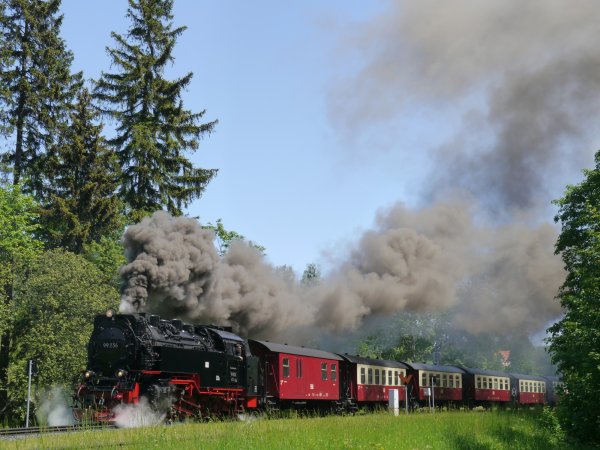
{"x": 263, "y": 69}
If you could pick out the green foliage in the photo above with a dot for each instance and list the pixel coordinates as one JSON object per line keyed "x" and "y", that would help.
{"x": 80, "y": 204}
{"x": 311, "y": 274}
{"x": 575, "y": 340}
{"x": 18, "y": 223}
{"x": 550, "y": 421}
{"x": 54, "y": 306}
{"x": 224, "y": 238}
{"x": 108, "y": 255}
{"x": 35, "y": 83}
{"x": 153, "y": 128}
{"x": 18, "y": 227}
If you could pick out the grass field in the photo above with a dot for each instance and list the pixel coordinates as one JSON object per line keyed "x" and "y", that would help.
{"x": 446, "y": 430}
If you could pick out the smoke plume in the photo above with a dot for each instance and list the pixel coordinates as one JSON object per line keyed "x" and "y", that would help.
{"x": 521, "y": 77}
{"x": 429, "y": 260}
{"x": 520, "y": 80}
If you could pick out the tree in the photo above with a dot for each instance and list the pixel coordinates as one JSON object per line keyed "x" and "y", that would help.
{"x": 108, "y": 255}
{"x": 18, "y": 245}
{"x": 35, "y": 83}
{"x": 311, "y": 274}
{"x": 224, "y": 238}
{"x": 153, "y": 128}
{"x": 81, "y": 206}
{"x": 55, "y": 302}
{"x": 575, "y": 340}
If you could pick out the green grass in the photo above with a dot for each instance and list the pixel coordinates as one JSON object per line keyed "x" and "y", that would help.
{"x": 446, "y": 430}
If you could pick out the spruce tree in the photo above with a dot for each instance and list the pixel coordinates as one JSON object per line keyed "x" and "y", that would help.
{"x": 81, "y": 205}
{"x": 35, "y": 84}
{"x": 153, "y": 130}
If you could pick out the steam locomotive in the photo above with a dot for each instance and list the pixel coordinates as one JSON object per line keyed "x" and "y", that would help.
{"x": 198, "y": 371}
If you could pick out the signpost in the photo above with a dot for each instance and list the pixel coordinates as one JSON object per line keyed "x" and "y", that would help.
{"x": 31, "y": 371}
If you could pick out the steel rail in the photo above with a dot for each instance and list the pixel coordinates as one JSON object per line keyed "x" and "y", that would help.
{"x": 60, "y": 429}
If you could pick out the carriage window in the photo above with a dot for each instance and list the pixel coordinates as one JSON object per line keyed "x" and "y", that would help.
{"x": 424, "y": 379}
{"x": 298, "y": 368}
{"x": 324, "y": 371}
{"x": 444, "y": 380}
{"x": 286, "y": 367}
{"x": 376, "y": 376}
{"x": 390, "y": 377}
{"x": 370, "y": 376}
{"x": 484, "y": 382}
{"x": 495, "y": 383}
{"x": 363, "y": 376}
{"x": 451, "y": 381}
{"x": 333, "y": 372}
{"x": 506, "y": 385}
{"x": 396, "y": 378}
{"x": 478, "y": 382}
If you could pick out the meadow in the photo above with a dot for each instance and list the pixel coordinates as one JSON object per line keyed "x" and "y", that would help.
{"x": 442, "y": 430}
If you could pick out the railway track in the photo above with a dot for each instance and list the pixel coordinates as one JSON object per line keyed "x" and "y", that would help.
{"x": 15, "y": 432}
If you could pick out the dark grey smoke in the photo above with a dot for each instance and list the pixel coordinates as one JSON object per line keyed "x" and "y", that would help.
{"x": 523, "y": 75}
{"x": 174, "y": 270}
{"x": 500, "y": 278}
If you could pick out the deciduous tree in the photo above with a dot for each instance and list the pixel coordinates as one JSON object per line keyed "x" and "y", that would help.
{"x": 575, "y": 340}
{"x": 55, "y": 302}
{"x": 18, "y": 245}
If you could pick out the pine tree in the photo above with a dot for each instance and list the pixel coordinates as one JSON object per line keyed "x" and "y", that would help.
{"x": 35, "y": 84}
{"x": 81, "y": 205}
{"x": 153, "y": 128}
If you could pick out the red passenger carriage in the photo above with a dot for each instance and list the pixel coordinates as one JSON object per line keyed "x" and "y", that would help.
{"x": 444, "y": 382}
{"x": 368, "y": 381}
{"x": 529, "y": 389}
{"x": 297, "y": 375}
{"x": 481, "y": 385}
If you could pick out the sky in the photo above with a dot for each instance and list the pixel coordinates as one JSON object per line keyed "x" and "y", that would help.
{"x": 410, "y": 148}
{"x": 295, "y": 176}
{"x": 263, "y": 70}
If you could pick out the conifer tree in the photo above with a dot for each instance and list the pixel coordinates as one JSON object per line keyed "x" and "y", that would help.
{"x": 81, "y": 205}
{"x": 35, "y": 84}
{"x": 154, "y": 130}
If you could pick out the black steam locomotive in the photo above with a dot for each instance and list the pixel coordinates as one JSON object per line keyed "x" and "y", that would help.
{"x": 193, "y": 371}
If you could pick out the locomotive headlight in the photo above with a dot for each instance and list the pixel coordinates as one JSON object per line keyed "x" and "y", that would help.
{"x": 121, "y": 373}
{"x": 88, "y": 374}
{"x": 110, "y": 312}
